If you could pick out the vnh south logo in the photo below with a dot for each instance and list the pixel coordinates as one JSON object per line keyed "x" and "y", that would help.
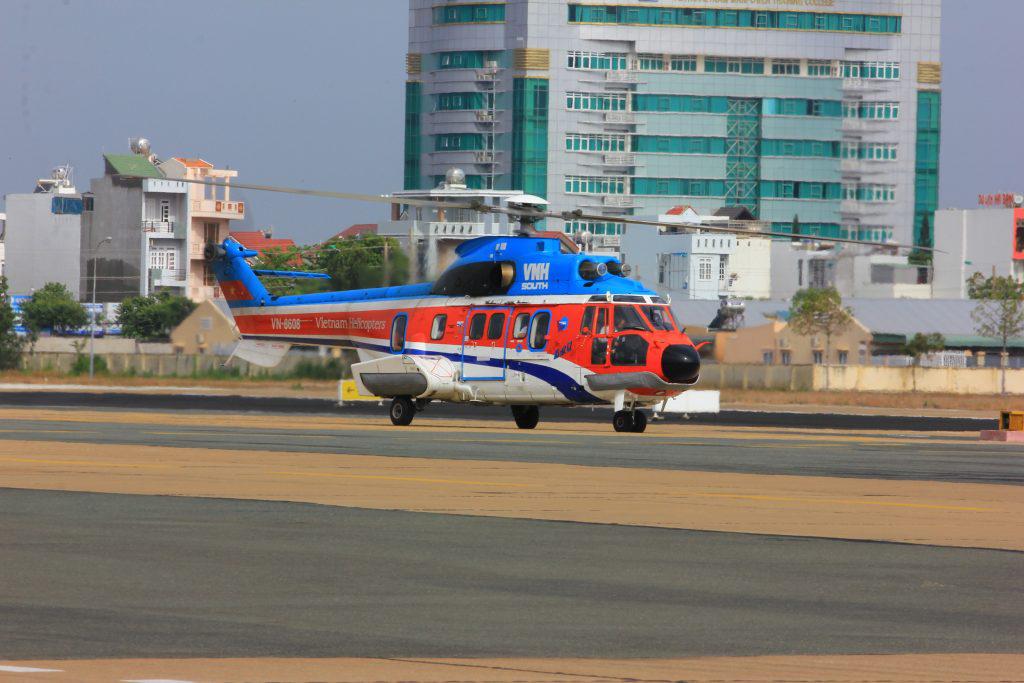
{"x": 535, "y": 275}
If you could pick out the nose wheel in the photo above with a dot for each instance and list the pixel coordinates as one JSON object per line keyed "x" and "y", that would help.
{"x": 629, "y": 421}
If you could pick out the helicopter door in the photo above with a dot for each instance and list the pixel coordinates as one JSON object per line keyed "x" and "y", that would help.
{"x": 601, "y": 340}
{"x": 483, "y": 343}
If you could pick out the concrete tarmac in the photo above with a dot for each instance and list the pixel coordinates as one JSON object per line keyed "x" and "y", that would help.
{"x": 466, "y": 549}
{"x": 97, "y": 576}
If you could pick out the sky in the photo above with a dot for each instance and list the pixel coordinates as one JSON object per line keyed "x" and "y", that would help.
{"x": 310, "y": 93}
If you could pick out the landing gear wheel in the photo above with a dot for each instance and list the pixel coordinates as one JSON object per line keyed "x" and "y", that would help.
{"x": 639, "y": 422}
{"x": 526, "y": 417}
{"x": 402, "y": 411}
{"x": 622, "y": 420}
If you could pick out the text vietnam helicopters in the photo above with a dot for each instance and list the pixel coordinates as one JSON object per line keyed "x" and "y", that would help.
{"x": 525, "y": 321}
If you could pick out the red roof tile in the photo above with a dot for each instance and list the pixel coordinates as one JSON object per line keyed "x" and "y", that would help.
{"x": 257, "y": 241}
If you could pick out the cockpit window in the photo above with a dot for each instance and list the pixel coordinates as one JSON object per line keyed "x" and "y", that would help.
{"x": 660, "y": 317}
{"x": 587, "y": 324}
{"x": 626, "y": 318}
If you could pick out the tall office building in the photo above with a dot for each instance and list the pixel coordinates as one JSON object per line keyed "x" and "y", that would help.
{"x": 826, "y": 111}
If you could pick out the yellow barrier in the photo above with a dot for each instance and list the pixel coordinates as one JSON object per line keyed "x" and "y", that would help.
{"x": 347, "y": 392}
{"x": 1011, "y": 421}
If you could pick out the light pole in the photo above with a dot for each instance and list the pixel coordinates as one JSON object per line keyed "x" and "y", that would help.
{"x": 92, "y": 311}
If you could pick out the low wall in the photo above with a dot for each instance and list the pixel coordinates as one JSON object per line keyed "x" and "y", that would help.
{"x": 859, "y": 378}
{"x": 928, "y": 380}
{"x": 167, "y": 364}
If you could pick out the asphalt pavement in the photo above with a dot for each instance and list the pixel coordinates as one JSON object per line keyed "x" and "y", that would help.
{"x": 88, "y": 576}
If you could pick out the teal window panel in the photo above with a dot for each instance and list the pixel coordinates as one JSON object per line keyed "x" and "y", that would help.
{"x": 680, "y": 103}
{"x": 926, "y": 165}
{"x": 679, "y": 187}
{"x": 728, "y": 18}
{"x": 818, "y": 127}
{"x": 811, "y": 229}
{"x": 668, "y": 144}
{"x": 470, "y": 14}
{"x": 456, "y": 101}
{"x": 451, "y": 142}
{"x": 800, "y": 148}
{"x": 467, "y": 59}
{"x": 530, "y": 112}
{"x": 775, "y": 106}
{"x": 800, "y": 189}
{"x": 692, "y": 125}
{"x": 413, "y": 135}
{"x": 674, "y": 166}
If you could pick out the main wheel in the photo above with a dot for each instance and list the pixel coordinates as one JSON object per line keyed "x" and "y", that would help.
{"x": 622, "y": 420}
{"x": 402, "y": 411}
{"x": 526, "y": 417}
{"x": 639, "y": 421}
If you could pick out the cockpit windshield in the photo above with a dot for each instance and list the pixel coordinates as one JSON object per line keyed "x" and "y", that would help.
{"x": 626, "y": 318}
{"x": 660, "y": 317}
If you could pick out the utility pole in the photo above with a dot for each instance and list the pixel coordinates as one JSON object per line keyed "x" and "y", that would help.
{"x": 92, "y": 311}
{"x": 387, "y": 265}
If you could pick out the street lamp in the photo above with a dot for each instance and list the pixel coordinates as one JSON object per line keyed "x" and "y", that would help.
{"x": 92, "y": 324}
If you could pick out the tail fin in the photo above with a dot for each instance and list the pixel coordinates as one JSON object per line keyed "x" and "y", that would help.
{"x": 239, "y": 284}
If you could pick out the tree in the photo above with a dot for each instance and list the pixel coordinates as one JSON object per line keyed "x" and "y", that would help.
{"x": 53, "y": 308}
{"x": 819, "y": 311}
{"x": 10, "y": 343}
{"x": 999, "y": 313}
{"x": 153, "y": 316}
{"x": 291, "y": 258}
{"x": 365, "y": 261}
{"x": 921, "y": 345}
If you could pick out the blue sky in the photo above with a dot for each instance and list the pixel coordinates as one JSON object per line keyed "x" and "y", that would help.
{"x": 310, "y": 93}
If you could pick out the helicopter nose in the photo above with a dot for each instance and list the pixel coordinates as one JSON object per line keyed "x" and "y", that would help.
{"x": 680, "y": 364}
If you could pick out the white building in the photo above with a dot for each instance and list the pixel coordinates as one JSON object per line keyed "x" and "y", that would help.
{"x": 982, "y": 240}
{"x": 42, "y": 235}
{"x": 852, "y": 271}
{"x": 430, "y": 235}
{"x": 824, "y": 109}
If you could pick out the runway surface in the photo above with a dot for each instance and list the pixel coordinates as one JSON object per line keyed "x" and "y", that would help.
{"x": 138, "y": 542}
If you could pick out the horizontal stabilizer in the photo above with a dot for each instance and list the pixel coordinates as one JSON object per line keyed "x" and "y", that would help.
{"x": 266, "y": 354}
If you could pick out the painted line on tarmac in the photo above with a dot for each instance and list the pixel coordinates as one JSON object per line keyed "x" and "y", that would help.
{"x": 840, "y": 501}
{"x": 26, "y": 670}
{"x": 423, "y": 480}
{"x": 46, "y": 461}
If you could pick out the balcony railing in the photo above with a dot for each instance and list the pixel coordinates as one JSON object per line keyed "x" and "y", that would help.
{"x": 620, "y": 117}
{"x": 485, "y": 157}
{"x": 219, "y": 208}
{"x": 620, "y": 159}
{"x": 618, "y": 200}
{"x": 164, "y": 277}
{"x": 622, "y": 76}
{"x": 456, "y": 229}
{"x": 158, "y": 227}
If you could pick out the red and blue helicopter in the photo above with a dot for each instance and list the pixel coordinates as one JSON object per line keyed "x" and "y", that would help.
{"x": 523, "y": 320}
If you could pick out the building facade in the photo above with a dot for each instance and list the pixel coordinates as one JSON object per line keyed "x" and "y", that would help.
{"x": 41, "y": 235}
{"x": 984, "y": 240}
{"x": 158, "y": 225}
{"x": 209, "y": 213}
{"x": 828, "y": 111}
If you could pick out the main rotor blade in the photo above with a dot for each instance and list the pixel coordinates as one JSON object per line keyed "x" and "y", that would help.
{"x": 379, "y": 198}
{"x": 733, "y": 230}
{"x": 536, "y": 214}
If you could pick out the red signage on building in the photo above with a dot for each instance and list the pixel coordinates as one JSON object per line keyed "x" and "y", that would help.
{"x": 1004, "y": 199}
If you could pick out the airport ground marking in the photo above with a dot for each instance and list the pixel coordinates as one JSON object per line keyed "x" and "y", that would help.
{"x": 841, "y": 501}
{"x": 424, "y": 480}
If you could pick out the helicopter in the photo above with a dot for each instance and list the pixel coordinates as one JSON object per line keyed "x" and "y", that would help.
{"x": 525, "y": 320}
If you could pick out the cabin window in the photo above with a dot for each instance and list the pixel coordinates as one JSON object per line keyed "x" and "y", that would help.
{"x": 660, "y": 317}
{"x": 587, "y": 324}
{"x": 629, "y": 349}
{"x": 496, "y": 326}
{"x": 398, "y": 332}
{"x": 437, "y": 327}
{"x": 539, "y": 330}
{"x": 520, "y": 326}
{"x": 626, "y": 318}
{"x": 477, "y": 323}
